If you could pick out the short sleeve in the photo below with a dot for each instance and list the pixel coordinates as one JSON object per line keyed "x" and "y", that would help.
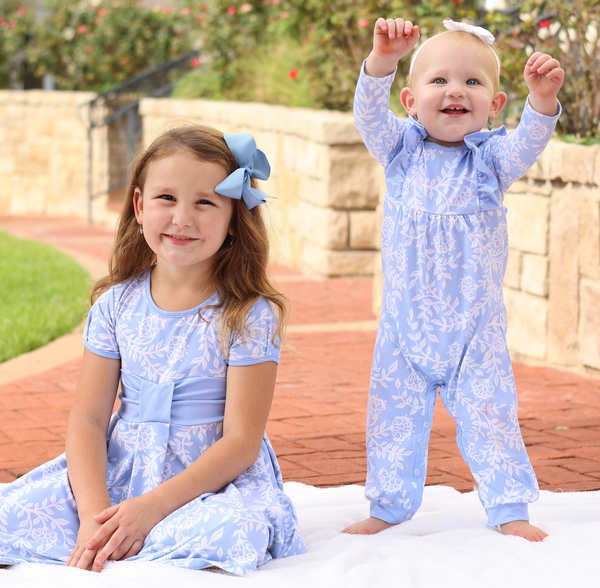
{"x": 257, "y": 344}
{"x": 99, "y": 335}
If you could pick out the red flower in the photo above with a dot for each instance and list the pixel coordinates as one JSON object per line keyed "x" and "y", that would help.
{"x": 284, "y": 14}
{"x": 12, "y": 24}
{"x": 363, "y": 23}
{"x": 101, "y": 11}
{"x": 544, "y": 24}
{"x": 231, "y": 10}
{"x": 21, "y": 11}
{"x": 2, "y": 21}
{"x": 293, "y": 73}
{"x": 186, "y": 11}
{"x": 456, "y": 2}
{"x": 167, "y": 9}
{"x": 276, "y": 2}
{"x": 83, "y": 28}
{"x": 195, "y": 62}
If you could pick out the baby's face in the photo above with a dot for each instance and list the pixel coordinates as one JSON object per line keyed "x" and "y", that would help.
{"x": 453, "y": 89}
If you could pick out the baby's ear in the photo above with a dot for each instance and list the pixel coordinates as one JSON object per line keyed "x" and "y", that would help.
{"x": 408, "y": 101}
{"x": 498, "y": 103}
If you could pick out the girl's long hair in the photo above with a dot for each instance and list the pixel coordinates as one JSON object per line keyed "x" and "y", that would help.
{"x": 240, "y": 268}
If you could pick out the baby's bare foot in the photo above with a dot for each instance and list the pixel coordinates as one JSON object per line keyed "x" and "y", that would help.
{"x": 523, "y": 529}
{"x": 369, "y": 526}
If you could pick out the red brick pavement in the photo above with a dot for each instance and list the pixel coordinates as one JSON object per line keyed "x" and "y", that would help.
{"x": 318, "y": 415}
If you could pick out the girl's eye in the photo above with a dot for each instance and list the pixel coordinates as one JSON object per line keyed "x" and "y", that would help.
{"x": 166, "y": 197}
{"x": 205, "y": 201}
{"x": 472, "y": 82}
{"x": 439, "y": 81}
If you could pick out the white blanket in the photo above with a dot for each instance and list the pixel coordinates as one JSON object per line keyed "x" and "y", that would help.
{"x": 446, "y": 545}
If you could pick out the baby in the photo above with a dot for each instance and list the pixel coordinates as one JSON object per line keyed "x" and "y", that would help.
{"x": 444, "y": 249}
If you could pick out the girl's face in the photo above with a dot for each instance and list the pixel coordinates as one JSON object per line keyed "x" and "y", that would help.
{"x": 185, "y": 222}
{"x": 453, "y": 89}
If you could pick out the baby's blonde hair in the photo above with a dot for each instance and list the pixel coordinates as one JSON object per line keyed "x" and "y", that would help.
{"x": 465, "y": 38}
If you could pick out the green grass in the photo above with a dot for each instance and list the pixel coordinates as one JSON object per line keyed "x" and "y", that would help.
{"x": 42, "y": 295}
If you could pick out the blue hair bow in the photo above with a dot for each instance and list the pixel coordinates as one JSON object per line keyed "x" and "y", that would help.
{"x": 253, "y": 164}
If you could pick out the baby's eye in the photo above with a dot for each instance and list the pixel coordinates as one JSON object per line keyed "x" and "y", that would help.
{"x": 439, "y": 81}
{"x": 472, "y": 82}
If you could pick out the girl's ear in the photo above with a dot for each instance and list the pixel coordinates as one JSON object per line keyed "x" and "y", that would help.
{"x": 408, "y": 101}
{"x": 498, "y": 103}
{"x": 138, "y": 204}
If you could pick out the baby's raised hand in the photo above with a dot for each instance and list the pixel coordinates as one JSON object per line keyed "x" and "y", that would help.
{"x": 544, "y": 78}
{"x": 394, "y": 38}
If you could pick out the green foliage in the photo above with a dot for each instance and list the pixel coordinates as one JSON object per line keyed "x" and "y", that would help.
{"x": 569, "y": 30}
{"x": 42, "y": 295}
{"x": 95, "y": 44}
{"x": 331, "y": 40}
{"x": 16, "y": 22}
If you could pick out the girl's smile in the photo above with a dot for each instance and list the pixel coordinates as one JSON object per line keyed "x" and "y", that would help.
{"x": 184, "y": 221}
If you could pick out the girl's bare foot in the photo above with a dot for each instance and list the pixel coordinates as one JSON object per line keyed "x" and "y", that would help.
{"x": 369, "y": 526}
{"x": 523, "y": 529}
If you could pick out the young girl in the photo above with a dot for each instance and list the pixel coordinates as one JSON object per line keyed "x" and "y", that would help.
{"x": 444, "y": 248}
{"x": 188, "y": 325}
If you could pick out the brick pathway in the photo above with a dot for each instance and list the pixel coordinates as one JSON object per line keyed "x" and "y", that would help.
{"x": 318, "y": 415}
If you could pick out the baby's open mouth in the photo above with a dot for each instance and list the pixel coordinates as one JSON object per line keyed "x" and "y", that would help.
{"x": 455, "y": 110}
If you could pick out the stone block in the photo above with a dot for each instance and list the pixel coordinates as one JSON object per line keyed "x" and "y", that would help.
{"x": 519, "y": 187}
{"x": 363, "y": 232}
{"x": 527, "y": 324}
{"x": 323, "y": 227}
{"x": 589, "y": 323}
{"x": 563, "y": 284}
{"x": 596, "y": 177}
{"x": 512, "y": 276}
{"x": 589, "y": 237}
{"x": 336, "y": 263}
{"x": 578, "y": 163}
{"x": 534, "y": 277}
{"x": 305, "y": 157}
{"x": 353, "y": 178}
{"x": 528, "y": 222}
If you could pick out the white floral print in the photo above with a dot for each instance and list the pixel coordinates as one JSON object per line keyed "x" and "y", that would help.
{"x": 173, "y": 384}
{"x": 443, "y": 320}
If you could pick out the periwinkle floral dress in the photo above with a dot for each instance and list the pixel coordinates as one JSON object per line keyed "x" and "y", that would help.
{"x": 443, "y": 321}
{"x": 172, "y": 400}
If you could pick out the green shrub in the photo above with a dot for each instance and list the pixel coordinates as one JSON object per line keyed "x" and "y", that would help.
{"x": 95, "y": 44}
{"x": 570, "y": 31}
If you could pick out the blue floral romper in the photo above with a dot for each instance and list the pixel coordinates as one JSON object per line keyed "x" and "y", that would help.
{"x": 443, "y": 320}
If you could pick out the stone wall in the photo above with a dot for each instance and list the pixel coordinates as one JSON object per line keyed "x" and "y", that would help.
{"x": 552, "y": 281}
{"x": 44, "y": 153}
{"x": 326, "y": 184}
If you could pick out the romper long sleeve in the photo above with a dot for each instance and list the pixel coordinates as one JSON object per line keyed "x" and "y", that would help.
{"x": 443, "y": 320}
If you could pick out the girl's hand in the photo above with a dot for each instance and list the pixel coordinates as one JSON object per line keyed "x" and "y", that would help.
{"x": 544, "y": 78}
{"x": 81, "y": 556}
{"x": 123, "y": 529}
{"x": 392, "y": 40}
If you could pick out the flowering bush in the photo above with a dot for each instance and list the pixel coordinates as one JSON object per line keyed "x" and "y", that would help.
{"x": 331, "y": 40}
{"x": 570, "y": 31}
{"x": 15, "y": 30}
{"x": 94, "y": 44}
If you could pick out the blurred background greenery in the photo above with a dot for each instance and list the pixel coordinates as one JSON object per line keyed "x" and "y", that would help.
{"x": 291, "y": 52}
{"x": 43, "y": 295}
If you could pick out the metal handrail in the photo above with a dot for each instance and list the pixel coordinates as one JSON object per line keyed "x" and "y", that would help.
{"x": 122, "y": 102}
